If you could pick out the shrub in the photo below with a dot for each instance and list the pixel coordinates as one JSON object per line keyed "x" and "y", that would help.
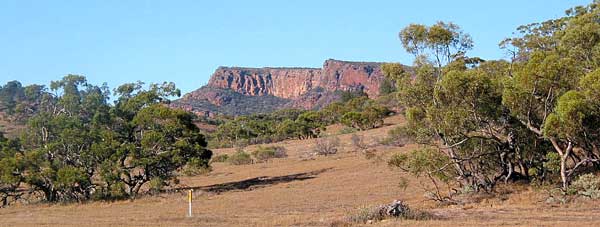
{"x": 347, "y": 130}
{"x": 397, "y": 209}
{"x": 196, "y": 167}
{"x": 220, "y": 158}
{"x": 240, "y": 157}
{"x": 366, "y": 214}
{"x": 156, "y": 185}
{"x": 270, "y": 152}
{"x": 398, "y": 136}
{"x": 327, "y": 146}
{"x": 587, "y": 185}
{"x": 358, "y": 142}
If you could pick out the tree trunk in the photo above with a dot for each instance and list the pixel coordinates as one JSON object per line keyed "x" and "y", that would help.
{"x": 564, "y": 156}
{"x": 563, "y": 172}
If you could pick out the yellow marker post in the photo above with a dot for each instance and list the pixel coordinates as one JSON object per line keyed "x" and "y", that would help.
{"x": 190, "y": 202}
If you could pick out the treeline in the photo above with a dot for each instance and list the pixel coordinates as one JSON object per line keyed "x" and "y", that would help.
{"x": 354, "y": 110}
{"x": 535, "y": 117}
{"x": 78, "y": 146}
{"x": 18, "y": 102}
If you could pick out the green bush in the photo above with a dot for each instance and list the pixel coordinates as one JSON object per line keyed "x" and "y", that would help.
{"x": 265, "y": 153}
{"x": 347, "y": 130}
{"x": 220, "y": 158}
{"x": 398, "y": 136}
{"x": 587, "y": 185}
{"x": 156, "y": 185}
{"x": 240, "y": 157}
{"x": 196, "y": 167}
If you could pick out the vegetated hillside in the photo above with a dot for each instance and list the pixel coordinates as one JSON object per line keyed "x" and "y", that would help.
{"x": 301, "y": 191}
{"x": 241, "y": 91}
{"x": 208, "y": 100}
{"x": 10, "y": 127}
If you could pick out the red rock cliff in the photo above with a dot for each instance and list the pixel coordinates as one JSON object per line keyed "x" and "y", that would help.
{"x": 291, "y": 83}
{"x": 240, "y": 91}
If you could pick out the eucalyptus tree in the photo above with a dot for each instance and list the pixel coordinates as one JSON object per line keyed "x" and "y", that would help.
{"x": 553, "y": 82}
{"x": 148, "y": 141}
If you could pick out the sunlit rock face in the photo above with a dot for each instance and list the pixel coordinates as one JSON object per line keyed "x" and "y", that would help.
{"x": 276, "y": 88}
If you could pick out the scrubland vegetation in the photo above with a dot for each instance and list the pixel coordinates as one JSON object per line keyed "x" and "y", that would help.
{"x": 473, "y": 132}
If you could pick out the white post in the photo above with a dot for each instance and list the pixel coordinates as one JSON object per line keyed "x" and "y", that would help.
{"x": 190, "y": 202}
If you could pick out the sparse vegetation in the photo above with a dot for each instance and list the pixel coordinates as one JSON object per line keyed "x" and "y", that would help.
{"x": 357, "y": 112}
{"x": 358, "y": 142}
{"x": 587, "y": 185}
{"x": 196, "y": 167}
{"x": 398, "y": 136}
{"x": 263, "y": 154}
{"x": 220, "y": 158}
{"x": 240, "y": 157}
{"x": 326, "y": 146}
{"x": 472, "y": 133}
{"x": 347, "y": 130}
{"x": 397, "y": 210}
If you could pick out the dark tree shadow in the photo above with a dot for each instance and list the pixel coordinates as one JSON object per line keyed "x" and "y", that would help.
{"x": 257, "y": 182}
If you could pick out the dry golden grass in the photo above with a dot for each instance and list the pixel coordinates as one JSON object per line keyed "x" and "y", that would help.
{"x": 296, "y": 191}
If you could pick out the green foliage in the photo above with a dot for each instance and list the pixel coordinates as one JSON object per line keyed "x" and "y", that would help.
{"x": 263, "y": 154}
{"x": 196, "y": 166}
{"x": 363, "y": 114}
{"x": 386, "y": 87}
{"x": 240, "y": 157}
{"x": 298, "y": 124}
{"x": 349, "y": 95}
{"x": 424, "y": 162}
{"x": 554, "y": 88}
{"x": 77, "y": 146}
{"x": 587, "y": 185}
{"x": 220, "y": 158}
{"x": 397, "y": 136}
{"x": 443, "y": 41}
{"x": 430, "y": 163}
{"x": 11, "y": 165}
{"x": 537, "y": 112}
{"x": 347, "y": 130}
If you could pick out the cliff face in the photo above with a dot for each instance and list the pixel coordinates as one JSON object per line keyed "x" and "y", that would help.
{"x": 291, "y": 83}
{"x": 282, "y": 87}
{"x": 285, "y": 83}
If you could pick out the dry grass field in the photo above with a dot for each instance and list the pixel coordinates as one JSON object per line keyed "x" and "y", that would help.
{"x": 296, "y": 191}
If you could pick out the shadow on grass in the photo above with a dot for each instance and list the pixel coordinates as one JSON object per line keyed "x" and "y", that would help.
{"x": 257, "y": 182}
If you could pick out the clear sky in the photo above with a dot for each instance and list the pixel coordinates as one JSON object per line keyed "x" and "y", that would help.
{"x": 118, "y": 41}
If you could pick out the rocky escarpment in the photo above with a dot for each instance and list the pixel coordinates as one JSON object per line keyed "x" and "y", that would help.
{"x": 239, "y": 90}
{"x": 290, "y": 83}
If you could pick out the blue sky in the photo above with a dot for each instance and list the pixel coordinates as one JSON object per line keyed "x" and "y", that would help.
{"x": 118, "y": 41}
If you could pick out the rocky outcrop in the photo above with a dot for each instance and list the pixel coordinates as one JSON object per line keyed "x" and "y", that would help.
{"x": 308, "y": 88}
{"x": 291, "y": 83}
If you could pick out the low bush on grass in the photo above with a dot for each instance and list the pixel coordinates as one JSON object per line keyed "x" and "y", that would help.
{"x": 326, "y": 146}
{"x": 240, "y": 157}
{"x": 358, "y": 142}
{"x": 587, "y": 185}
{"x": 220, "y": 158}
{"x": 347, "y": 130}
{"x": 263, "y": 154}
{"x": 196, "y": 167}
{"x": 397, "y": 209}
